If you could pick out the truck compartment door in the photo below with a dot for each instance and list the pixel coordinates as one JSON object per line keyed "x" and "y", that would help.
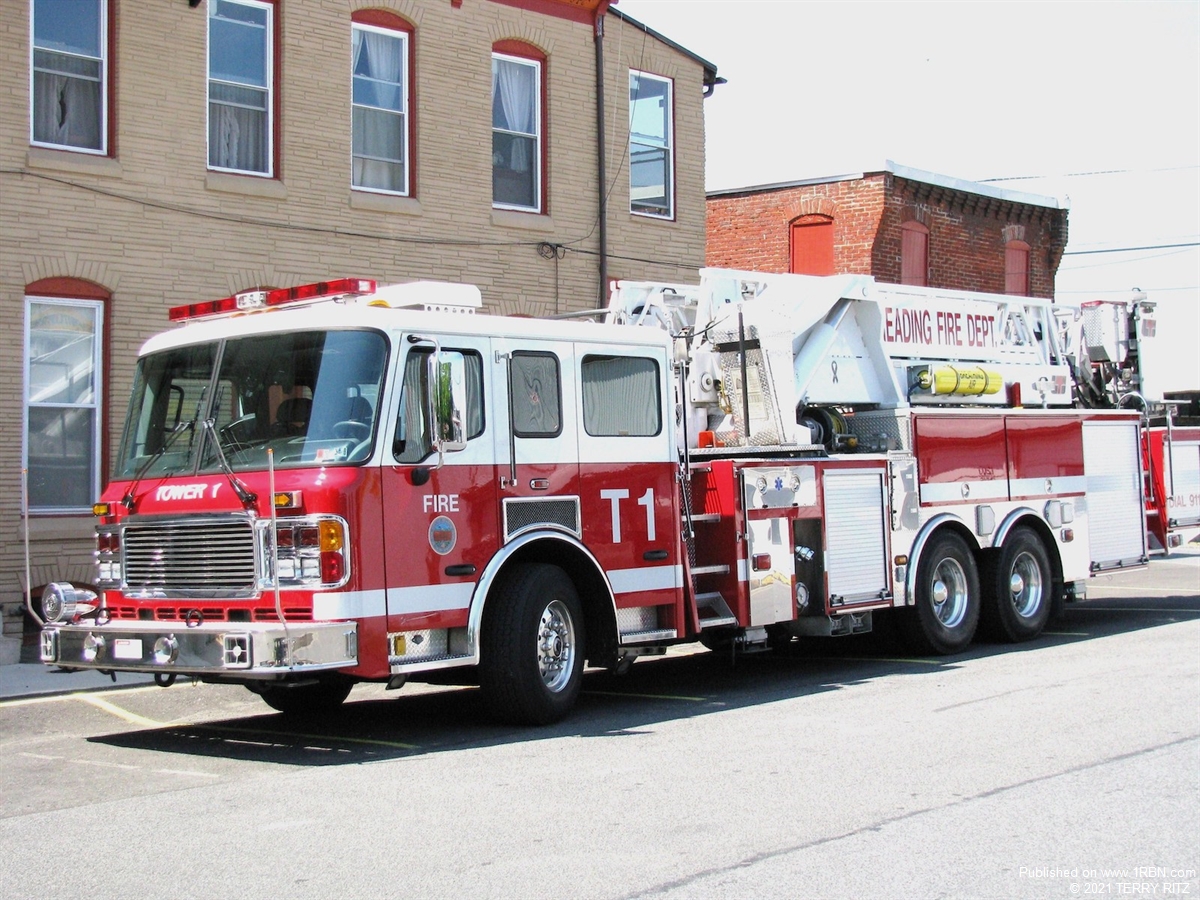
{"x": 1116, "y": 521}
{"x": 856, "y": 527}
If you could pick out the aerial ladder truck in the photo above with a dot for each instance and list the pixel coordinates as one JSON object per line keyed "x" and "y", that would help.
{"x": 346, "y": 482}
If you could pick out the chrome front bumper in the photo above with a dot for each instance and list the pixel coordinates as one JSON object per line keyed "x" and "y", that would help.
{"x": 239, "y": 650}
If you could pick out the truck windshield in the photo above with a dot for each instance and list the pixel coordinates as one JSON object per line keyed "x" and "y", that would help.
{"x": 311, "y": 397}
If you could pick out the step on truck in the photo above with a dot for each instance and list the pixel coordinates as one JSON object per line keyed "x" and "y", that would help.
{"x": 345, "y": 482}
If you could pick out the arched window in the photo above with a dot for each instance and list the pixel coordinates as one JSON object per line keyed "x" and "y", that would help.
{"x": 914, "y": 253}
{"x": 381, "y": 101}
{"x": 518, "y": 126}
{"x": 1016, "y": 268}
{"x": 64, "y": 341}
{"x": 812, "y": 245}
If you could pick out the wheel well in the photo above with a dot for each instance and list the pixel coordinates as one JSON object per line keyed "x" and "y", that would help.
{"x": 599, "y": 620}
{"x": 949, "y": 524}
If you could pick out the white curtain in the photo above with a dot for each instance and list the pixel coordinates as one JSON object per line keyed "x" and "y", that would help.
{"x": 515, "y": 85}
{"x": 66, "y": 110}
{"x": 379, "y": 134}
{"x": 384, "y": 57}
{"x": 237, "y": 136}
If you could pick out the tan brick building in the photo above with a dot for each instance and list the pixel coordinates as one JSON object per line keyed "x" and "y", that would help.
{"x": 159, "y": 153}
{"x": 902, "y": 225}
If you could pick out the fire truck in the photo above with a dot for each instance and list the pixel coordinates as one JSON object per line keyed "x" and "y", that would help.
{"x": 1107, "y": 340}
{"x": 345, "y": 482}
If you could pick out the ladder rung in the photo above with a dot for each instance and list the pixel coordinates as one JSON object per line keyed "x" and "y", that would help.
{"x": 706, "y": 517}
{"x": 710, "y": 570}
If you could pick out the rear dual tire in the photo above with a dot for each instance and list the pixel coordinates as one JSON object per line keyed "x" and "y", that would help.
{"x": 1021, "y": 589}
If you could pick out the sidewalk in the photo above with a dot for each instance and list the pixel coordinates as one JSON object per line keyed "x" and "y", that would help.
{"x": 38, "y": 680}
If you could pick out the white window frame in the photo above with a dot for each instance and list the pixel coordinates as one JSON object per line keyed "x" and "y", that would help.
{"x": 95, "y": 405}
{"x": 103, "y": 60}
{"x": 668, "y": 145}
{"x": 536, "y": 65}
{"x": 269, "y": 57}
{"x": 405, "y": 112}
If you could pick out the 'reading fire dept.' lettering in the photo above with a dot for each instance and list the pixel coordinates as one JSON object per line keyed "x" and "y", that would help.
{"x": 952, "y": 328}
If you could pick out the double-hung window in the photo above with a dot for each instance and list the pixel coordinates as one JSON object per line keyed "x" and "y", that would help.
{"x": 651, "y": 146}
{"x": 62, "y": 403}
{"x": 240, "y": 79}
{"x": 516, "y": 133}
{"x": 380, "y": 108}
{"x": 69, "y": 74}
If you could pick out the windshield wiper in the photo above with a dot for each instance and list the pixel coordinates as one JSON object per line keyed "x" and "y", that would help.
{"x": 244, "y": 494}
{"x": 129, "y": 500}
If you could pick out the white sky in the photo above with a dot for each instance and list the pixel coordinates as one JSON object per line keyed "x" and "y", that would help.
{"x": 1044, "y": 92}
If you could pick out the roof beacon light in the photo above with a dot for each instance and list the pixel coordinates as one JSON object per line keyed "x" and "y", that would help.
{"x": 255, "y": 300}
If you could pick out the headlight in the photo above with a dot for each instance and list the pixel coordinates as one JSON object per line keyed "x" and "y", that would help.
{"x": 312, "y": 552}
{"x": 63, "y": 602}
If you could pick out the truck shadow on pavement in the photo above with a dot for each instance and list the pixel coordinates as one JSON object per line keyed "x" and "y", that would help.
{"x": 421, "y": 720}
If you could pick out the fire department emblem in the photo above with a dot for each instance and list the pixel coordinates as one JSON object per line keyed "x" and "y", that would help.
{"x": 442, "y": 535}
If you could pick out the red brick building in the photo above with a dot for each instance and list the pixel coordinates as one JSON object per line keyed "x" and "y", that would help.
{"x": 902, "y": 225}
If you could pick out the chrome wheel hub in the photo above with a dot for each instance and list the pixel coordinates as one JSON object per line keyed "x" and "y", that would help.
{"x": 556, "y": 646}
{"x": 1025, "y": 585}
{"x": 949, "y": 593}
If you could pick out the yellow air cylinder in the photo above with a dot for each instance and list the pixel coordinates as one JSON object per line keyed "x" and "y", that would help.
{"x": 965, "y": 381}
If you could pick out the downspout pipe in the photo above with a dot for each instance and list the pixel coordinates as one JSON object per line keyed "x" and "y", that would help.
{"x": 602, "y": 177}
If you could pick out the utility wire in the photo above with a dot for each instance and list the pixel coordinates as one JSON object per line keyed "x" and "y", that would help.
{"x": 337, "y": 232}
{"x": 1086, "y": 174}
{"x": 1131, "y": 249}
{"x": 265, "y": 223}
{"x": 1150, "y": 290}
{"x": 1121, "y": 262}
{"x": 568, "y": 245}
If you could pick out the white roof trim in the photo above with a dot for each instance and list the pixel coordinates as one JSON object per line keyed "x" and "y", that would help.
{"x": 910, "y": 174}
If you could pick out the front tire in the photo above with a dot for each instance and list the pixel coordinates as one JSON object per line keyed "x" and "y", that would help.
{"x": 947, "y": 598}
{"x": 532, "y": 647}
{"x": 1022, "y": 589}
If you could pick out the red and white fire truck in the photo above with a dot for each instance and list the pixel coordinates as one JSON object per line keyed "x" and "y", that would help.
{"x": 1107, "y": 341}
{"x": 342, "y": 482}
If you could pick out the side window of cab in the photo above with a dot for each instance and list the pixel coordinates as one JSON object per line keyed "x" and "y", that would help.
{"x": 412, "y": 440}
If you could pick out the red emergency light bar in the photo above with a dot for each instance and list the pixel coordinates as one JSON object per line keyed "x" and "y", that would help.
{"x": 251, "y": 300}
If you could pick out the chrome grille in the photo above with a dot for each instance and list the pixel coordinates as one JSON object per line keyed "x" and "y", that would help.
{"x": 204, "y": 557}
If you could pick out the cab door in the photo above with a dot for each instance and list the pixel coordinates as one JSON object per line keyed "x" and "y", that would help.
{"x": 536, "y": 441}
{"x": 628, "y": 467}
{"x": 439, "y": 510}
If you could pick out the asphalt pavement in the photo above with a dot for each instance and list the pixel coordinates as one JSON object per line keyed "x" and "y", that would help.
{"x": 37, "y": 679}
